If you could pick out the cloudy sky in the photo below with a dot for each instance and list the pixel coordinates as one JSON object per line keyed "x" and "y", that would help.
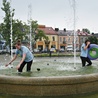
{"x": 57, "y": 13}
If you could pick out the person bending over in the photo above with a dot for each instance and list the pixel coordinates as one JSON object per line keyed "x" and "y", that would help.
{"x": 26, "y": 57}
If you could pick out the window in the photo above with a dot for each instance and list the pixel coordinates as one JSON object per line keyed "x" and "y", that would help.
{"x": 64, "y": 39}
{"x": 60, "y": 39}
{"x": 53, "y": 38}
{"x": 69, "y": 40}
{"x": 40, "y": 39}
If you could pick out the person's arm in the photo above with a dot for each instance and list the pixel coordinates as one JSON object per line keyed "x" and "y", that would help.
{"x": 23, "y": 58}
{"x": 88, "y": 43}
{"x": 15, "y": 56}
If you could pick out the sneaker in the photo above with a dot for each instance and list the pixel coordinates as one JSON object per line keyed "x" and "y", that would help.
{"x": 19, "y": 72}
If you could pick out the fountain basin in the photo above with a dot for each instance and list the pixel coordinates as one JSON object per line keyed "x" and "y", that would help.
{"x": 48, "y": 86}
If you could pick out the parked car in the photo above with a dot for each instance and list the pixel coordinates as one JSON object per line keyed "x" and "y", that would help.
{"x": 44, "y": 51}
{"x": 36, "y": 50}
{"x": 69, "y": 48}
{"x": 8, "y": 50}
{"x": 53, "y": 50}
{"x": 2, "y": 51}
{"x": 2, "y": 46}
{"x": 61, "y": 50}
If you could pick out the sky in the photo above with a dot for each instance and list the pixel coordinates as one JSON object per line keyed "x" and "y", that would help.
{"x": 57, "y": 13}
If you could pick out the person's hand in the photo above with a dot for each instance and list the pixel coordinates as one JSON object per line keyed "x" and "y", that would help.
{"x": 17, "y": 67}
{"x": 88, "y": 43}
{"x": 6, "y": 65}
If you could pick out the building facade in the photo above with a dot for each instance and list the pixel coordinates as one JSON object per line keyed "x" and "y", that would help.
{"x": 53, "y": 38}
{"x": 59, "y": 39}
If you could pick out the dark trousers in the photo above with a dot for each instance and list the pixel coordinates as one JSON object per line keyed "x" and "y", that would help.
{"x": 28, "y": 66}
{"x": 84, "y": 60}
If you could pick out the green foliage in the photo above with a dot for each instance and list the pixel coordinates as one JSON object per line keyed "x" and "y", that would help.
{"x": 37, "y": 33}
{"x": 19, "y": 30}
{"x": 86, "y": 30}
{"x": 93, "y": 39}
{"x": 7, "y": 20}
{"x": 40, "y": 34}
{"x": 34, "y": 26}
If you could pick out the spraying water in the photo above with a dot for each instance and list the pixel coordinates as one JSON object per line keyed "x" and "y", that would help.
{"x": 11, "y": 34}
{"x": 74, "y": 10}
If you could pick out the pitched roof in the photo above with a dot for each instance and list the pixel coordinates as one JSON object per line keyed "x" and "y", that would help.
{"x": 71, "y": 32}
{"x": 96, "y": 34}
{"x": 47, "y": 30}
{"x": 82, "y": 33}
{"x": 65, "y": 33}
{"x": 51, "y": 31}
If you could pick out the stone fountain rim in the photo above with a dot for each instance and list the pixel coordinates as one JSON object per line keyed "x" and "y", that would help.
{"x": 48, "y": 86}
{"x": 49, "y": 80}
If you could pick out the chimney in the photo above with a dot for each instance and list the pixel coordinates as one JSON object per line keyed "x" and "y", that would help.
{"x": 64, "y": 29}
{"x": 56, "y": 29}
{"x": 78, "y": 30}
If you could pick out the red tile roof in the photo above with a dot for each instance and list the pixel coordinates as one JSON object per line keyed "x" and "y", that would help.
{"x": 47, "y": 30}
{"x": 82, "y": 33}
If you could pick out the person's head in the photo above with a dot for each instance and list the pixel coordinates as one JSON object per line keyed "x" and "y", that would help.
{"x": 86, "y": 41}
{"x": 18, "y": 44}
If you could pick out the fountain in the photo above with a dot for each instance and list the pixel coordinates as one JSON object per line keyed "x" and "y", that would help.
{"x": 49, "y": 77}
{"x": 55, "y": 79}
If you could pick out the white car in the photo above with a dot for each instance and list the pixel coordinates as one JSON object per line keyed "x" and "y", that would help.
{"x": 8, "y": 50}
{"x": 36, "y": 50}
{"x": 62, "y": 50}
{"x": 53, "y": 50}
{"x": 69, "y": 48}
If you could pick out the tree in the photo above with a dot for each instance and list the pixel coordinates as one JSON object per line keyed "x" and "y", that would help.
{"x": 7, "y": 20}
{"x": 93, "y": 40}
{"x": 34, "y": 27}
{"x": 20, "y": 30}
{"x": 40, "y": 35}
{"x": 36, "y": 32}
{"x": 86, "y": 30}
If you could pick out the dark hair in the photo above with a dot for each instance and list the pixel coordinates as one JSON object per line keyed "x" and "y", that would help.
{"x": 18, "y": 42}
{"x": 87, "y": 40}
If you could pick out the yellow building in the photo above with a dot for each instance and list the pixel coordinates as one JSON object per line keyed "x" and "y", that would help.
{"x": 59, "y": 39}
{"x": 53, "y": 38}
